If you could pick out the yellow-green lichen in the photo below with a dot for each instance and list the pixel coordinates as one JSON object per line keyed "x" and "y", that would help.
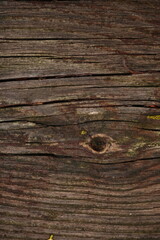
{"x": 51, "y": 237}
{"x": 155, "y": 117}
{"x": 133, "y": 150}
{"x": 83, "y": 132}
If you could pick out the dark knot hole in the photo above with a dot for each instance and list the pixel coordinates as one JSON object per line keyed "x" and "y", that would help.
{"x": 98, "y": 143}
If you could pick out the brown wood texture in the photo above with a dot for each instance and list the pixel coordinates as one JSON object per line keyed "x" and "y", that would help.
{"x": 80, "y": 120}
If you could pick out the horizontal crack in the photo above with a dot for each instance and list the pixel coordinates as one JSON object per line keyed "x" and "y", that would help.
{"x": 80, "y": 157}
{"x": 78, "y": 100}
{"x": 36, "y": 154}
{"x": 64, "y": 76}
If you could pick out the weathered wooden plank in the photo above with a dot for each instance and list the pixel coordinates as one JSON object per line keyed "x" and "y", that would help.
{"x": 82, "y": 19}
{"x": 53, "y": 57}
{"x": 43, "y": 114}
{"x": 102, "y": 39}
{"x": 79, "y": 120}
{"x": 78, "y": 200}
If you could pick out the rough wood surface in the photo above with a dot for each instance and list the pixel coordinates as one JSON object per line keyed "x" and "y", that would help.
{"x": 79, "y": 120}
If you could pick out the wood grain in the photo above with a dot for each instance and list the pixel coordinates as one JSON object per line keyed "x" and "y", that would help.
{"x": 79, "y": 120}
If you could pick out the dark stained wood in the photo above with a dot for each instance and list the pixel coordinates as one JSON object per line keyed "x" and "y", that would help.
{"x": 80, "y": 120}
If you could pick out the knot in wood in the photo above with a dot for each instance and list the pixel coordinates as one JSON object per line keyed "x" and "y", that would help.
{"x": 98, "y": 143}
